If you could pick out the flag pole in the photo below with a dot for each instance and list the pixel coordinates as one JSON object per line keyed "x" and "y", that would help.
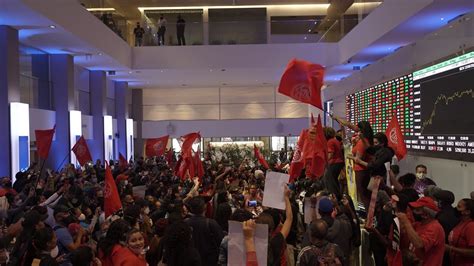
{"x": 62, "y": 162}
{"x": 39, "y": 175}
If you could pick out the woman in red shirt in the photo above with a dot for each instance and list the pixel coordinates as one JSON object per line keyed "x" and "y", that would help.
{"x": 335, "y": 162}
{"x": 361, "y": 143}
{"x": 461, "y": 238}
{"x": 110, "y": 248}
{"x": 134, "y": 254}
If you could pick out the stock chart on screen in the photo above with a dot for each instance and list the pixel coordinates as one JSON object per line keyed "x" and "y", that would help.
{"x": 434, "y": 106}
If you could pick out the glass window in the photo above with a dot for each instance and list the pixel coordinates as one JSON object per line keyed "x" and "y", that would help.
{"x": 291, "y": 141}
{"x": 278, "y": 143}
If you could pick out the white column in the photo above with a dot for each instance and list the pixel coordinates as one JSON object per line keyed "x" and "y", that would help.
{"x": 205, "y": 26}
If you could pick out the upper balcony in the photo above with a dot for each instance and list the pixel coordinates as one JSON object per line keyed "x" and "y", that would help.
{"x": 233, "y": 24}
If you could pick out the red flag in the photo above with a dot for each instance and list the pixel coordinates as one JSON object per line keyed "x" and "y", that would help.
{"x": 44, "y": 138}
{"x": 297, "y": 163}
{"x": 302, "y": 81}
{"x": 156, "y": 147}
{"x": 260, "y": 158}
{"x": 315, "y": 150}
{"x": 111, "y": 196}
{"x": 198, "y": 162}
{"x": 312, "y": 120}
{"x": 188, "y": 141}
{"x": 81, "y": 150}
{"x": 396, "y": 141}
{"x": 123, "y": 164}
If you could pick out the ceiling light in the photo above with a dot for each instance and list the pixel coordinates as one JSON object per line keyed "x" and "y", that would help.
{"x": 161, "y": 71}
{"x": 298, "y": 6}
{"x": 309, "y": 30}
{"x": 210, "y": 70}
{"x": 305, "y": 38}
{"x": 99, "y": 53}
{"x": 52, "y": 26}
{"x": 129, "y": 72}
{"x": 315, "y": 22}
{"x": 100, "y": 9}
{"x": 442, "y": 18}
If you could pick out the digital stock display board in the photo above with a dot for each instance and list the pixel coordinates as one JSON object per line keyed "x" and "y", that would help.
{"x": 434, "y": 106}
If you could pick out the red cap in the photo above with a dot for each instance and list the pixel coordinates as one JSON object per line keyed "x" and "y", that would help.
{"x": 425, "y": 202}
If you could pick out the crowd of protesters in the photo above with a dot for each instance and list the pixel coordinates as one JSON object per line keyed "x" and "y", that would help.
{"x": 58, "y": 218}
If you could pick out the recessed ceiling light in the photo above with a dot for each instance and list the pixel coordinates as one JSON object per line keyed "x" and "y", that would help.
{"x": 305, "y": 38}
{"x": 161, "y": 71}
{"x": 52, "y": 26}
{"x": 442, "y": 18}
{"x": 210, "y": 70}
{"x": 223, "y": 69}
{"x": 129, "y": 72}
{"x": 99, "y": 54}
{"x": 315, "y": 22}
{"x": 309, "y": 30}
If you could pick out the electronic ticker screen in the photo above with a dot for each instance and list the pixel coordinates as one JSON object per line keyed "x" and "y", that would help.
{"x": 435, "y": 112}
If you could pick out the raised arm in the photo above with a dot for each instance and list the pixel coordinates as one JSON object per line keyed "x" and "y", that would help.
{"x": 285, "y": 230}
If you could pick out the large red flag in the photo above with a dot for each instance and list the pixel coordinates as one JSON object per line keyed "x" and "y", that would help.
{"x": 302, "y": 81}
{"x": 44, "y": 138}
{"x": 260, "y": 158}
{"x": 315, "y": 150}
{"x": 123, "y": 164}
{"x": 199, "y": 168}
{"x": 156, "y": 147}
{"x": 297, "y": 163}
{"x": 188, "y": 141}
{"x": 81, "y": 150}
{"x": 396, "y": 141}
{"x": 111, "y": 196}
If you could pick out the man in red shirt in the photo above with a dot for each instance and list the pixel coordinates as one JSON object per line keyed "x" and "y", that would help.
{"x": 426, "y": 235}
{"x": 335, "y": 162}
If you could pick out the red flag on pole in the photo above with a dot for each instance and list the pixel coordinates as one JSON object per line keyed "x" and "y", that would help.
{"x": 156, "y": 147}
{"x": 44, "y": 138}
{"x": 302, "y": 81}
{"x": 297, "y": 163}
{"x": 123, "y": 164}
{"x": 315, "y": 150}
{"x": 260, "y": 158}
{"x": 199, "y": 168}
{"x": 188, "y": 141}
{"x": 81, "y": 150}
{"x": 111, "y": 197}
{"x": 396, "y": 141}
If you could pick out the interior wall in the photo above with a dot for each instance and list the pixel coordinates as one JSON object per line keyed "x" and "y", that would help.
{"x": 219, "y": 104}
{"x": 452, "y": 40}
{"x": 225, "y": 128}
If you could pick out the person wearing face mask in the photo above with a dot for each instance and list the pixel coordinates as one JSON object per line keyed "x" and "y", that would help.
{"x": 461, "y": 238}
{"x": 134, "y": 254}
{"x": 63, "y": 219}
{"x": 422, "y": 180}
{"x": 447, "y": 215}
{"x": 426, "y": 235}
{"x": 44, "y": 243}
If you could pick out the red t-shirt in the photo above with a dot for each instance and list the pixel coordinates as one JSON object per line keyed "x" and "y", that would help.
{"x": 432, "y": 235}
{"x": 360, "y": 148}
{"x": 335, "y": 147}
{"x": 462, "y": 236}
{"x": 121, "y": 256}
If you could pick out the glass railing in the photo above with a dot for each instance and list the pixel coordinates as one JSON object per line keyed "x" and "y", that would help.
{"x": 246, "y": 32}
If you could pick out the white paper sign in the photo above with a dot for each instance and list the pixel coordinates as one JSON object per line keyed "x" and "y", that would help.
{"x": 387, "y": 167}
{"x": 236, "y": 255}
{"x": 273, "y": 196}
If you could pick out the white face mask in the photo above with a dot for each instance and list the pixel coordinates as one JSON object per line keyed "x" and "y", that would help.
{"x": 82, "y": 217}
{"x": 54, "y": 252}
{"x": 420, "y": 175}
{"x": 125, "y": 182}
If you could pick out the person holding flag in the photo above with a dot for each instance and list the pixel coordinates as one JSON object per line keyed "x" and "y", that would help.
{"x": 362, "y": 141}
